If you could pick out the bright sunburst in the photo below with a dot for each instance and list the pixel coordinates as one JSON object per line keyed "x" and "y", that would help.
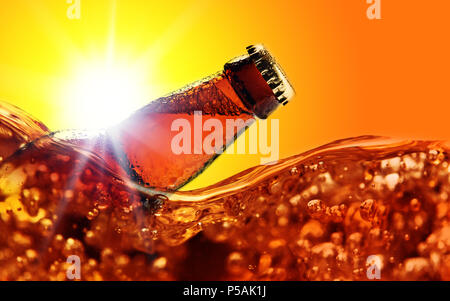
{"x": 103, "y": 95}
{"x": 103, "y": 91}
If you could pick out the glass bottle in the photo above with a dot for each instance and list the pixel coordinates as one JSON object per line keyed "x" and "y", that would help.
{"x": 172, "y": 139}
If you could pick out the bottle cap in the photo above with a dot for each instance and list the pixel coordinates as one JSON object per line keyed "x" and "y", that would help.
{"x": 271, "y": 72}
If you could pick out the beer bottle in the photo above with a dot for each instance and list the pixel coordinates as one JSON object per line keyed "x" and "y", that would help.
{"x": 149, "y": 145}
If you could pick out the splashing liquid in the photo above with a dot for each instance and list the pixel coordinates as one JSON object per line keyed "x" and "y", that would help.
{"x": 315, "y": 216}
{"x": 16, "y": 129}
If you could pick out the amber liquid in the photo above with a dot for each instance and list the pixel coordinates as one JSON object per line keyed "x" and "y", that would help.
{"x": 314, "y": 216}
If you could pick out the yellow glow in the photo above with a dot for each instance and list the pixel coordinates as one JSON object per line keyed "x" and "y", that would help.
{"x": 103, "y": 95}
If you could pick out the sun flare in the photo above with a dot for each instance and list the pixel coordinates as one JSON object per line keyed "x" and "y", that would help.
{"x": 104, "y": 95}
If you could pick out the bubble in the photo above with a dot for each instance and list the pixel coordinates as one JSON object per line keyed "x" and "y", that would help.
{"x": 236, "y": 263}
{"x": 160, "y": 263}
{"x": 316, "y": 208}
{"x": 414, "y": 205}
{"x": 368, "y": 209}
{"x": 54, "y": 177}
{"x": 265, "y": 261}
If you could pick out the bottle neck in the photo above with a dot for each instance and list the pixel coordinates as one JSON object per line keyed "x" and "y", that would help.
{"x": 251, "y": 87}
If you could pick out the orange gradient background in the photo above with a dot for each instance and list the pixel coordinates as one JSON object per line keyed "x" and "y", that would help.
{"x": 353, "y": 76}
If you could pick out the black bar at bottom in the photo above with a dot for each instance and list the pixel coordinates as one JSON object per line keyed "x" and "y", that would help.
{"x": 206, "y": 290}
